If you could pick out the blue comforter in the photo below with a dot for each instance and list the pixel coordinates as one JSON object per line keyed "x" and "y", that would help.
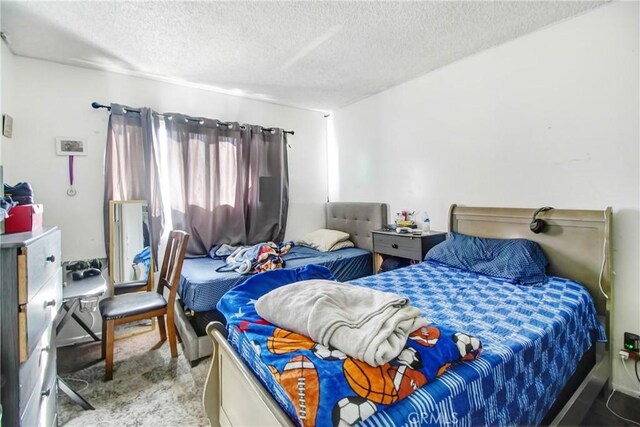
{"x": 305, "y": 369}
{"x": 532, "y": 337}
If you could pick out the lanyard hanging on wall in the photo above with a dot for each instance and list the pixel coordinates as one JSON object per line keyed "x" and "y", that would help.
{"x": 71, "y": 147}
{"x": 71, "y": 191}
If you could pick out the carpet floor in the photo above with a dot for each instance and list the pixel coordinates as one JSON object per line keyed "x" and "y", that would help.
{"x": 149, "y": 388}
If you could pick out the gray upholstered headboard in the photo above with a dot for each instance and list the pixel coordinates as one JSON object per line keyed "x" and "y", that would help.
{"x": 357, "y": 219}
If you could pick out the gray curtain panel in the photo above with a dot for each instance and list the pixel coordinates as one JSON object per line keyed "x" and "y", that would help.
{"x": 152, "y": 180}
{"x": 125, "y": 164}
{"x": 267, "y": 190}
{"x": 220, "y": 182}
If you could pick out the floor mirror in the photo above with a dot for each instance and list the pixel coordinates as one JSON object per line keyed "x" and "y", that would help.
{"x": 130, "y": 259}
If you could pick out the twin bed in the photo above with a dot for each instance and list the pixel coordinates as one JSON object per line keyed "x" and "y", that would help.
{"x": 201, "y": 286}
{"x": 541, "y": 361}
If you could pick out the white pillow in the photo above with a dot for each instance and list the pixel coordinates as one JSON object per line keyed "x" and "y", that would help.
{"x": 323, "y": 239}
{"x": 342, "y": 245}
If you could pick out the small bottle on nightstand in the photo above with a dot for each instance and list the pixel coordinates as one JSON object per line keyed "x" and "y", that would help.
{"x": 425, "y": 222}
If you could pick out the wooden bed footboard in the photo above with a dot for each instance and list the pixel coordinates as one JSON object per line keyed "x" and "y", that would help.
{"x": 232, "y": 395}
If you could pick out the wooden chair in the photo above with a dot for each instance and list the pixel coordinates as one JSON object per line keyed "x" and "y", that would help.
{"x": 136, "y": 306}
{"x": 137, "y": 286}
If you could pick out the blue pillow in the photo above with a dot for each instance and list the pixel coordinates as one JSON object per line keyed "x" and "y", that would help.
{"x": 517, "y": 260}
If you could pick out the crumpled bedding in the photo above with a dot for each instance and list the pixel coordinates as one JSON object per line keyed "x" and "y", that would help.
{"x": 251, "y": 259}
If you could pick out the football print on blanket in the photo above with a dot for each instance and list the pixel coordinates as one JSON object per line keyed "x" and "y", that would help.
{"x": 406, "y": 380}
{"x": 409, "y": 357}
{"x": 426, "y": 336}
{"x": 299, "y": 379}
{"x": 274, "y": 372}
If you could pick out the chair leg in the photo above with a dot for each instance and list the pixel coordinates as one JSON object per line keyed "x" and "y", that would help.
{"x": 108, "y": 339}
{"x": 171, "y": 329}
{"x": 162, "y": 328}
{"x": 104, "y": 339}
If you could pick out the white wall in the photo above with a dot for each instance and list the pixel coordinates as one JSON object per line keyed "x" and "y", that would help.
{"x": 6, "y": 86}
{"x": 51, "y": 100}
{"x": 551, "y": 118}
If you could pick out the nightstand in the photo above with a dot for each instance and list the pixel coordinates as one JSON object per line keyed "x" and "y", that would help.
{"x": 403, "y": 245}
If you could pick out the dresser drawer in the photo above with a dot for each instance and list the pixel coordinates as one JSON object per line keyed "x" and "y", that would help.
{"x": 41, "y": 408}
{"x": 38, "y": 313}
{"x": 401, "y": 246}
{"x": 33, "y": 372}
{"x": 43, "y": 260}
{"x": 49, "y": 407}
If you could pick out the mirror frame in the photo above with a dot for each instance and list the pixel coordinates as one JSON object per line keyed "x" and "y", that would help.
{"x": 111, "y": 254}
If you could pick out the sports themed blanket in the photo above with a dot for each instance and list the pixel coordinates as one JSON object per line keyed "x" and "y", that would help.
{"x": 322, "y": 386}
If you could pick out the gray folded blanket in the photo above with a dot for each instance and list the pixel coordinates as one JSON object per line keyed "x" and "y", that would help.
{"x": 363, "y": 323}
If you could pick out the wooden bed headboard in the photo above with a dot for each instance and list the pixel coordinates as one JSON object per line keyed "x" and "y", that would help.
{"x": 575, "y": 242}
{"x": 357, "y": 219}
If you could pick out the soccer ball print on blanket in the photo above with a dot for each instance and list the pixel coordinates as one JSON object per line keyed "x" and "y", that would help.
{"x": 351, "y": 410}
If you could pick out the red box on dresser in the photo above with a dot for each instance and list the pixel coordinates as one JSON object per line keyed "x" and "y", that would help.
{"x": 23, "y": 218}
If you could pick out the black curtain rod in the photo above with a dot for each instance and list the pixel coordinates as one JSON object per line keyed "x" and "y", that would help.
{"x": 97, "y": 105}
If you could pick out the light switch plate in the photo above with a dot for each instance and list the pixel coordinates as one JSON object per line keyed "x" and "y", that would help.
{"x": 7, "y": 125}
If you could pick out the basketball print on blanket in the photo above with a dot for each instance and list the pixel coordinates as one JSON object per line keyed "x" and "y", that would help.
{"x": 300, "y": 381}
{"x": 444, "y": 368}
{"x": 283, "y": 342}
{"x": 369, "y": 382}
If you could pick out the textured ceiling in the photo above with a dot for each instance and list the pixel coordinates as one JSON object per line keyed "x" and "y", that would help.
{"x": 318, "y": 55}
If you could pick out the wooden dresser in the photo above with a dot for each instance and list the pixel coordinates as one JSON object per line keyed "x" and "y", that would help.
{"x": 30, "y": 297}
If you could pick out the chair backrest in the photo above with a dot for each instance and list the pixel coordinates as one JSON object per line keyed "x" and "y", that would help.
{"x": 172, "y": 265}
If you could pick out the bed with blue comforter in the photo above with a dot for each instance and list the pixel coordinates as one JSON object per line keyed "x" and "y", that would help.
{"x": 201, "y": 286}
{"x": 533, "y": 337}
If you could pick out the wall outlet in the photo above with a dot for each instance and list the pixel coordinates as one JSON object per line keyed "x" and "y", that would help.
{"x": 631, "y": 342}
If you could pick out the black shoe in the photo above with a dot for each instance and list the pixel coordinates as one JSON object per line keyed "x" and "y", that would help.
{"x": 78, "y": 265}
{"x": 83, "y": 265}
{"x": 22, "y": 193}
{"x": 79, "y": 275}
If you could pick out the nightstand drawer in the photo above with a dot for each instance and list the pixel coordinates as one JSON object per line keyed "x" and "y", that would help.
{"x": 400, "y": 246}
